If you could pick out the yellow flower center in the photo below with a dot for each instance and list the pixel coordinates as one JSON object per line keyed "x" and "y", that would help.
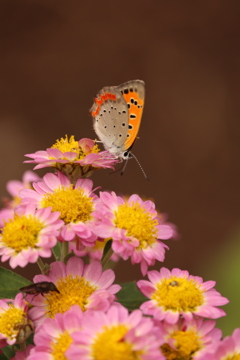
{"x": 10, "y": 320}
{"x": 110, "y": 344}
{"x": 21, "y": 232}
{"x": 73, "y": 204}
{"x": 71, "y": 145}
{"x": 178, "y": 294}
{"x": 138, "y": 222}
{"x": 235, "y": 356}
{"x": 66, "y": 145}
{"x": 60, "y": 345}
{"x": 232, "y": 357}
{"x": 186, "y": 343}
{"x": 73, "y": 291}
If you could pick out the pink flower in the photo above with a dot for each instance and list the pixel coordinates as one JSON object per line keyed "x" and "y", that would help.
{"x": 76, "y": 204}
{"x": 84, "y": 285}
{"x": 176, "y": 293}
{"x": 103, "y": 159}
{"x": 15, "y": 326}
{"x": 134, "y": 226}
{"x": 30, "y": 233}
{"x": 115, "y": 335}
{"x": 54, "y": 336}
{"x": 14, "y": 187}
{"x": 83, "y": 153}
{"x": 229, "y": 348}
{"x": 195, "y": 339}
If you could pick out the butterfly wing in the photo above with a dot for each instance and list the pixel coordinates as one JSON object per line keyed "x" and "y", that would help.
{"x": 110, "y": 119}
{"x": 133, "y": 93}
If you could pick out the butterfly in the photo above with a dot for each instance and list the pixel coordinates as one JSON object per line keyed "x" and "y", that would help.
{"x": 117, "y": 113}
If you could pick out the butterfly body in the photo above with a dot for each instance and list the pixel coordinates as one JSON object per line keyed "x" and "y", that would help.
{"x": 117, "y": 112}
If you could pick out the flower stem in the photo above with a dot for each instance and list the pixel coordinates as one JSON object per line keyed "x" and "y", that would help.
{"x": 41, "y": 265}
{"x": 23, "y": 346}
{"x": 64, "y": 251}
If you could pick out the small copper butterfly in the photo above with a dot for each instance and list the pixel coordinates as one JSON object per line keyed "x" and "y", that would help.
{"x": 117, "y": 113}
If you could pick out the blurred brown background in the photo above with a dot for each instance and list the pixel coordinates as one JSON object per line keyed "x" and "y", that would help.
{"x": 56, "y": 55}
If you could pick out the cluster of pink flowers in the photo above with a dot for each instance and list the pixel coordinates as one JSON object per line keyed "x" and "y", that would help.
{"x": 73, "y": 307}
{"x": 77, "y": 215}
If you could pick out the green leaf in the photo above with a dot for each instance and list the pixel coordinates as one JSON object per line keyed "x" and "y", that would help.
{"x": 107, "y": 248}
{"x": 29, "y": 340}
{"x": 57, "y": 251}
{"x": 224, "y": 268}
{"x": 3, "y": 357}
{"x": 10, "y": 283}
{"x": 8, "y": 352}
{"x": 130, "y": 297}
{"x": 107, "y": 253}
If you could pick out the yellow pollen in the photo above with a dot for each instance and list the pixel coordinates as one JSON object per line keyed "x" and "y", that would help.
{"x": 138, "y": 222}
{"x": 21, "y": 232}
{"x": 73, "y": 204}
{"x": 71, "y": 145}
{"x": 235, "y": 356}
{"x": 186, "y": 344}
{"x": 60, "y": 345}
{"x": 110, "y": 344}
{"x": 178, "y": 294}
{"x": 66, "y": 145}
{"x": 10, "y": 320}
{"x": 73, "y": 291}
{"x": 95, "y": 149}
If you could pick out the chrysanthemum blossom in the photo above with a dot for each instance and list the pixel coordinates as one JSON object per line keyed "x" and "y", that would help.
{"x": 135, "y": 227}
{"x": 15, "y": 326}
{"x": 115, "y": 335}
{"x": 195, "y": 339}
{"x": 176, "y": 293}
{"x": 84, "y": 285}
{"x": 54, "y": 336}
{"x": 76, "y": 204}
{"x": 69, "y": 155}
{"x": 30, "y": 233}
{"x": 14, "y": 187}
{"x": 229, "y": 348}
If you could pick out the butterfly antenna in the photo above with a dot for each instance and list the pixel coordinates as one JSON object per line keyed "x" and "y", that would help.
{"x": 131, "y": 154}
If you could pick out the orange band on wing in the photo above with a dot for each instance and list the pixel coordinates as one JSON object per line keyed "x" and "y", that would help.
{"x": 100, "y": 100}
{"x": 135, "y": 109}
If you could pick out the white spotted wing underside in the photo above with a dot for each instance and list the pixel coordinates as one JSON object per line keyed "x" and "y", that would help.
{"x": 111, "y": 121}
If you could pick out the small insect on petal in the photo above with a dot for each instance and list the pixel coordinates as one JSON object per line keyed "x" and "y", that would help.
{"x": 42, "y": 287}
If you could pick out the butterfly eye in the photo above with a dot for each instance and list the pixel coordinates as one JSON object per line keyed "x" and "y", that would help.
{"x": 125, "y": 155}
